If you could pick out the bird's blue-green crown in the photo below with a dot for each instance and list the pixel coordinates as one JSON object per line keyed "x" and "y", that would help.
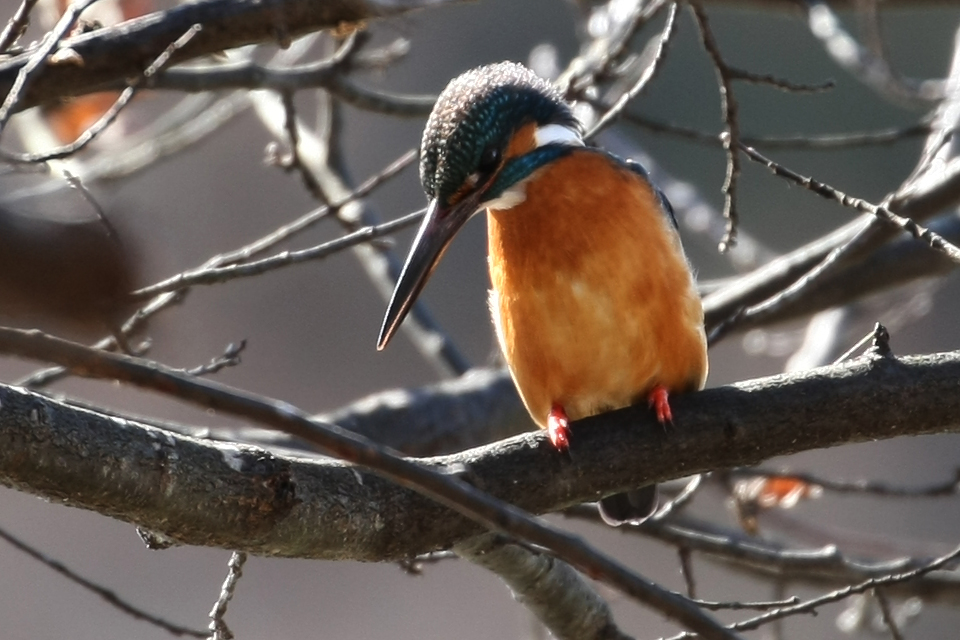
{"x": 478, "y": 110}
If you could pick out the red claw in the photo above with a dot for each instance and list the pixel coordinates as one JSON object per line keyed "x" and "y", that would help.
{"x": 659, "y": 399}
{"x": 558, "y": 428}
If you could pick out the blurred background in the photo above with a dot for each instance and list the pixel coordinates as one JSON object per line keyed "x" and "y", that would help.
{"x": 311, "y": 329}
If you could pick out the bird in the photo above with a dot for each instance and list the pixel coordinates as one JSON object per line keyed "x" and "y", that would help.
{"x": 594, "y": 303}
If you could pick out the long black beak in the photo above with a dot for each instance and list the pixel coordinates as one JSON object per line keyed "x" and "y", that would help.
{"x": 436, "y": 231}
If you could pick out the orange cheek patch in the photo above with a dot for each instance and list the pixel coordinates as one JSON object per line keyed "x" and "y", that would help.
{"x": 524, "y": 140}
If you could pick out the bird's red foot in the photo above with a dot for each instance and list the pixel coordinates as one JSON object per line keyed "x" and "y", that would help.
{"x": 659, "y": 400}
{"x": 558, "y": 428}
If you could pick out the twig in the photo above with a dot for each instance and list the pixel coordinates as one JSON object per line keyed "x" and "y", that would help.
{"x": 682, "y": 499}
{"x": 17, "y": 25}
{"x": 799, "y": 141}
{"x": 936, "y": 241}
{"x": 870, "y": 69}
{"x": 105, "y": 594}
{"x": 887, "y": 615}
{"x": 686, "y": 570}
{"x": 669, "y": 29}
{"x": 39, "y": 58}
{"x": 779, "y": 83}
{"x": 620, "y": 23}
{"x": 735, "y": 606}
{"x": 229, "y": 358}
{"x": 321, "y": 153}
{"x": 731, "y": 134}
{"x": 840, "y": 594}
{"x": 329, "y": 74}
{"x": 776, "y": 561}
{"x": 292, "y": 160}
{"x": 414, "y": 566}
{"x": 110, "y": 114}
{"x": 828, "y": 265}
{"x": 165, "y": 300}
{"x": 217, "y": 275}
{"x": 217, "y": 623}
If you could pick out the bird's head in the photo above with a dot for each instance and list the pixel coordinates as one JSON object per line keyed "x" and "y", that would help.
{"x": 489, "y": 132}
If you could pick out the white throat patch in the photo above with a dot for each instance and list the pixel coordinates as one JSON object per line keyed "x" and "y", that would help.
{"x": 509, "y": 198}
{"x": 557, "y": 134}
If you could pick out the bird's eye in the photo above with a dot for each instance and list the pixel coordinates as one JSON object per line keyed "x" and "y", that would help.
{"x": 489, "y": 160}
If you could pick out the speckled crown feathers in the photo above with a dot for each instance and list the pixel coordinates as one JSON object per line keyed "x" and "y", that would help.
{"x": 478, "y": 108}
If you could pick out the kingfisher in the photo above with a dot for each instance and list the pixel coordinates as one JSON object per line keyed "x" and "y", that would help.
{"x": 593, "y": 300}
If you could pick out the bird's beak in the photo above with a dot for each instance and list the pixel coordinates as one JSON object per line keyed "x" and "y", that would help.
{"x": 436, "y": 231}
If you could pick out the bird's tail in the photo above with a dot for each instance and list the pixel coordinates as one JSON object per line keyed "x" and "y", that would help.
{"x": 632, "y": 506}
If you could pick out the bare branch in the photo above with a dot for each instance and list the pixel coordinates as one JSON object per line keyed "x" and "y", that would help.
{"x": 731, "y": 121}
{"x": 217, "y": 623}
{"x": 611, "y": 114}
{"x": 111, "y": 54}
{"x": 556, "y": 594}
{"x": 280, "y": 512}
{"x": 840, "y": 594}
{"x": 16, "y": 25}
{"x": 105, "y": 594}
{"x": 39, "y": 58}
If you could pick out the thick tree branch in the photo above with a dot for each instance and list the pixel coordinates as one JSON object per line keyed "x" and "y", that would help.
{"x": 245, "y": 498}
{"x": 125, "y": 50}
{"x": 111, "y": 54}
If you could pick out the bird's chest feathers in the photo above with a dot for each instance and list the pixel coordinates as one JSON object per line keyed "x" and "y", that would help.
{"x": 587, "y": 278}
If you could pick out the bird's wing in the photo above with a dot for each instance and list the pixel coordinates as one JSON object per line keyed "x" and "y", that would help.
{"x": 639, "y": 169}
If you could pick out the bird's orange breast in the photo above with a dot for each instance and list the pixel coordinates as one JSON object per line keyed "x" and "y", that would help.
{"x": 593, "y": 300}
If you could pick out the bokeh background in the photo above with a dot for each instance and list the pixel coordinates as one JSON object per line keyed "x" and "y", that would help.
{"x": 311, "y": 329}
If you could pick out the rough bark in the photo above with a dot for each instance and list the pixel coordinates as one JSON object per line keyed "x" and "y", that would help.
{"x": 241, "y": 497}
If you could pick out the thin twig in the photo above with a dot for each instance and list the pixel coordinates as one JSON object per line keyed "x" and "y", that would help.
{"x": 800, "y": 141}
{"x": 217, "y": 275}
{"x": 40, "y": 58}
{"x": 686, "y": 570}
{"x": 887, "y": 615}
{"x": 731, "y": 134}
{"x": 775, "y": 560}
{"x": 870, "y": 69}
{"x": 669, "y": 29}
{"x": 106, "y": 594}
{"x": 778, "y": 83}
{"x": 682, "y": 499}
{"x": 17, "y": 25}
{"x": 936, "y": 241}
{"x": 835, "y": 596}
{"x": 321, "y": 152}
{"x": 735, "y": 606}
{"x": 828, "y": 265}
{"x": 217, "y": 623}
{"x": 229, "y": 358}
{"x": 165, "y": 300}
{"x": 108, "y": 117}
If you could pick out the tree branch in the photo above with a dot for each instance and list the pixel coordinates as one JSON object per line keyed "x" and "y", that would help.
{"x": 125, "y": 50}
{"x": 245, "y": 498}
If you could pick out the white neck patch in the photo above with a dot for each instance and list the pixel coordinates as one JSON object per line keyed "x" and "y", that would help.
{"x": 557, "y": 134}
{"x": 547, "y": 134}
